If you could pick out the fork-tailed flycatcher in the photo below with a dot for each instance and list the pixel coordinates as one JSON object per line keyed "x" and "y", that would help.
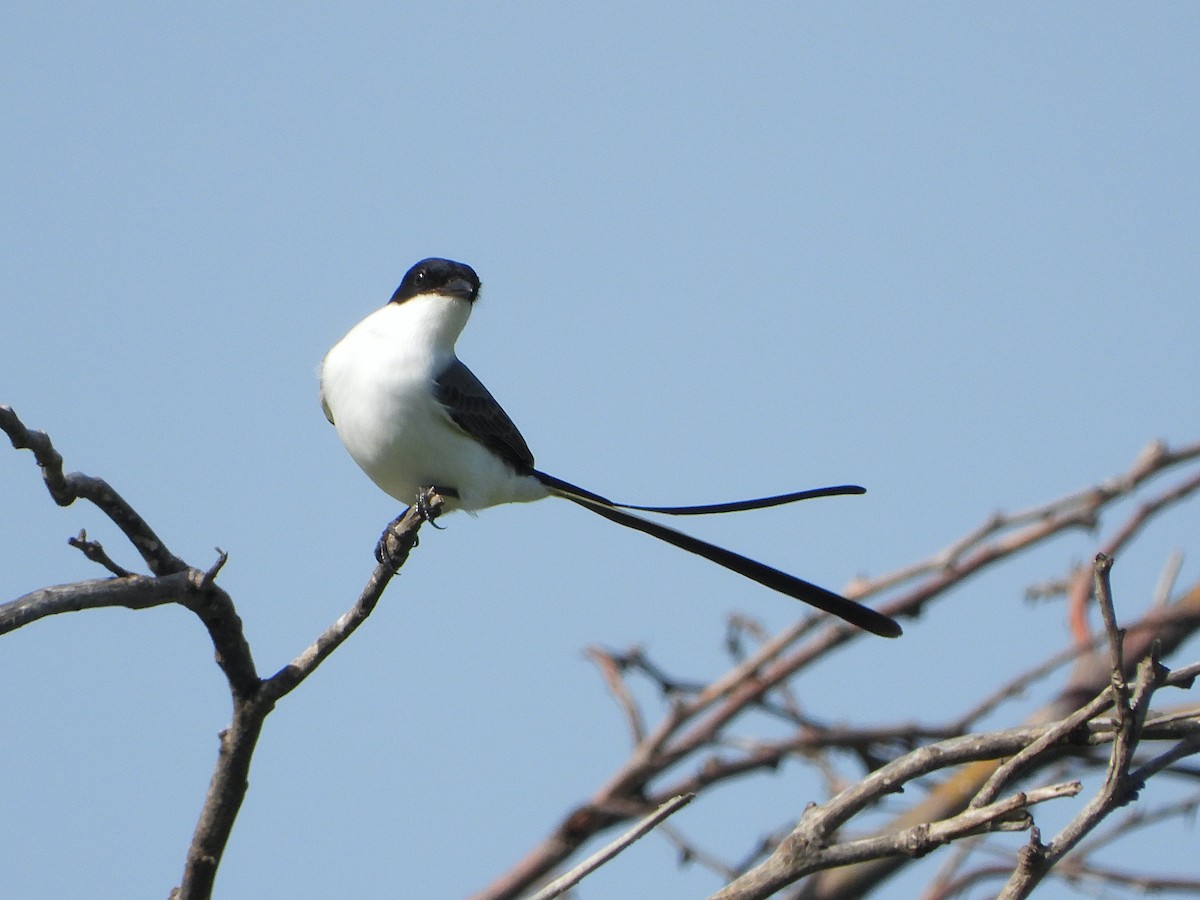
{"x": 414, "y": 417}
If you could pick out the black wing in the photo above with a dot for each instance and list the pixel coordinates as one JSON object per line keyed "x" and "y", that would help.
{"x": 476, "y": 412}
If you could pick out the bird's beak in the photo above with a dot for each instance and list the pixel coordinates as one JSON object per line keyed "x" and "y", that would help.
{"x": 460, "y": 288}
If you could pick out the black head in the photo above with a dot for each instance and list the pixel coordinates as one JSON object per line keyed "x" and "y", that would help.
{"x": 438, "y": 276}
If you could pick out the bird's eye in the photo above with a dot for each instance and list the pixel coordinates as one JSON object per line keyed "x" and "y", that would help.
{"x": 419, "y": 276}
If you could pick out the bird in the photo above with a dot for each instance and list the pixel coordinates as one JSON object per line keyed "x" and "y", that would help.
{"x": 414, "y": 417}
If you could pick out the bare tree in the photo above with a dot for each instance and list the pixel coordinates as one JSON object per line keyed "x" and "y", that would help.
{"x": 1104, "y": 715}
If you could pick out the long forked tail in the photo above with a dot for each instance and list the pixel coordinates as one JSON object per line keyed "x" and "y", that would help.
{"x": 854, "y": 613}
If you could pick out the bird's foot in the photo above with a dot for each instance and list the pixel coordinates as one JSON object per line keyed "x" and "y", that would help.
{"x": 382, "y": 556}
{"x": 425, "y": 506}
{"x": 428, "y": 506}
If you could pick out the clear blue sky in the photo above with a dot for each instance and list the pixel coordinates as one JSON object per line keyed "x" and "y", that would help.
{"x": 948, "y": 251}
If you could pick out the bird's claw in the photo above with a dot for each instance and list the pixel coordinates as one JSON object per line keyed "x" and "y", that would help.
{"x": 381, "y": 548}
{"x": 425, "y": 509}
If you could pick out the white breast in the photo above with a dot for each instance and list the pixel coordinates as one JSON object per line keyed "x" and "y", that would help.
{"x": 377, "y": 389}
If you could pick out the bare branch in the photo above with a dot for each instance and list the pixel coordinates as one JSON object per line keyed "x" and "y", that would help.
{"x": 95, "y": 552}
{"x": 173, "y": 581}
{"x": 133, "y": 592}
{"x": 66, "y": 489}
{"x": 1079, "y": 509}
{"x": 697, "y": 717}
{"x": 611, "y": 671}
{"x": 1119, "y": 788}
{"x": 401, "y": 536}
{"x": 1135, "y": 819}
{"x": 1059, "y": 731}
{"x": 1010, "y": 814}
{"x": 1116, "y": 638}
{"x": 563, "y": 884}
{"x": 229, "y": 781}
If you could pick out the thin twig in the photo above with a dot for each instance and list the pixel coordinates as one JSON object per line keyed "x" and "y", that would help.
{"x": 611, "y": 671}
{"x": 95, "y": 552}
{"x": 1116, "y": 638}
{"x": 567, "y": 881}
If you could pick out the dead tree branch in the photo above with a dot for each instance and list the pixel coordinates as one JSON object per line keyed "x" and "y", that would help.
{"x": 692, "y": 729}
{"x": 173, "y": 581}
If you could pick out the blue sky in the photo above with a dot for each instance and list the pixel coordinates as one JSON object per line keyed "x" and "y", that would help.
{"x": 947, "y": 251}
